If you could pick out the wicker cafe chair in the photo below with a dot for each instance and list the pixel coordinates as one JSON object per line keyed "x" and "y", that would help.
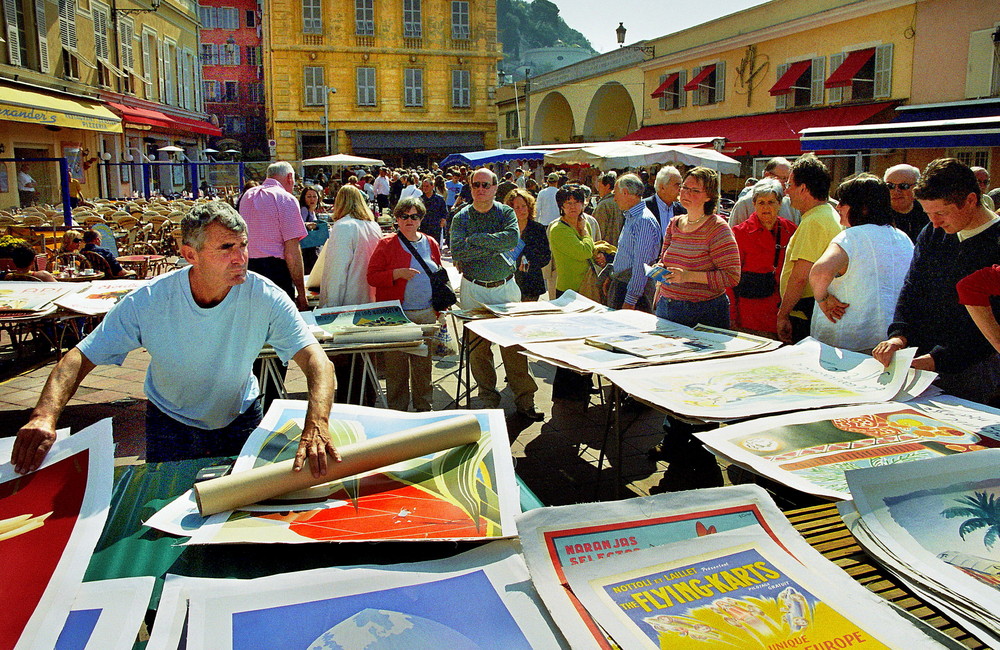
{"x": 98, "y": 263}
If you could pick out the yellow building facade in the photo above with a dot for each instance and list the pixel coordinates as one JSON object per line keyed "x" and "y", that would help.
{"x": 407, "y": 81}
{"x": 103, "y": 84}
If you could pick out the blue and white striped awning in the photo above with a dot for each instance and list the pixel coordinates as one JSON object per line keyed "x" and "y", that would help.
{"x": 933, "y": 134}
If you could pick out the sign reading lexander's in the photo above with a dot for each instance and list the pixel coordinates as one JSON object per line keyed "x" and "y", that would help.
{"x": 32, "y": 107}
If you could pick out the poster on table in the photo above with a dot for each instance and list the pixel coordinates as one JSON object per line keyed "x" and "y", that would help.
{"x": 106, "y": 614}
{"x": 807, "y": 375}
{"x": 811, "y": 450}
{"x": 480, "y": 599}
{"x": 688, "y": 344}
{"x": 566, "y": 536}
{"x": 941, "y": 518}
{"x": 376, "y": 321}
{"x": 463, "y": 493}
{"x": 99, "y": 297}
{"x": 734, "y": 589}
{"x": 50, "y": 522}
{"x": 569, "y": 302}
{"x": 559, "y": 327}
{"x": 170, "y": 624}
{"x": 30, "y": 296}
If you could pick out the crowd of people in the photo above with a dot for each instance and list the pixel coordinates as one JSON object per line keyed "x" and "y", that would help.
{"x": 911, "y": 259}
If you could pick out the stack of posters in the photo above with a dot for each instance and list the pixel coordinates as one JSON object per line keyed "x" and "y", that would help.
{"x": 671, "y": 343}
{"x": 935, "y": 523}
{"x": 26, "y": 298}
{"x": 107, "y": 614}
{"x": 464, "y": 493}
{"x": 810, "y": 451}
{"x": 560, "y": 327}
{"x": 807, "y": 375}
{"x": 99, "y": 297}
{"x": 50, "y": 522}
{"x": 558, "y": 540}
{"x": 374, "y": 322}
{"x": 570, "y": 302}
{"x": 479, "y": 599}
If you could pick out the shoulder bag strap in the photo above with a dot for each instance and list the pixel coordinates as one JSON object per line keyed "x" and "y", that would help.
{"x": 406, "y": 242}
{"x": 777, "y": 244}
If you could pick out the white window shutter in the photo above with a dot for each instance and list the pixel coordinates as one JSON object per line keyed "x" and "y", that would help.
{"x": 42, "y": 29}
{"x": 160, "y": 71}
{"x": 663, "y": 97}
{"x": 883, "y": 71}
{"x": 816, "y": 93}
{"x": 781, "y": 101}
{"x": 13, "y": 38}
{"x": 836, "y": 94}
{"x": 101, "y": 46}
{"x": 67, "y": 23}
{"x": 720, "y": 81}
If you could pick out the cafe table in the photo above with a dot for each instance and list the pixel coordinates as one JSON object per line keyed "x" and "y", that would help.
{"x": 140, "y": 263}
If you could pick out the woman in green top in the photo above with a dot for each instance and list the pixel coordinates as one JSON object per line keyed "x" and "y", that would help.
{"x": 570, "y": 240}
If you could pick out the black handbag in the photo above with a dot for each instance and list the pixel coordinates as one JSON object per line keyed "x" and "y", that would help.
{"x": 760, "y": 285}
{"x": 442, "y": 295}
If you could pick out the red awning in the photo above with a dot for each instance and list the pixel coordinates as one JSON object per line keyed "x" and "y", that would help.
{"x": 198, "y": 126}
{"x": 142, "y": 116}
{"x": 772, "y": 134}
{"x": 788, "y": 79}
{"x": 662, "y": 88}
{"x": 844, "y": 74}
{"x": 694, "y": 83}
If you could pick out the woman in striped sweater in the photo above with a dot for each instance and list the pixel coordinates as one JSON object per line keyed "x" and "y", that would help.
{"x": 700, "y": 255}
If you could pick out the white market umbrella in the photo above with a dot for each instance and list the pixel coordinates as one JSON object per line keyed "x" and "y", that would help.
{"x": 639, "y": 154}
{"x": 210, "y": 150}
{"x": 170, "y": 149}
{"x": 343, "y": 160}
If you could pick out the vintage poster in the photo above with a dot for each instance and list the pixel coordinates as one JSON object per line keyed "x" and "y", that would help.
{"x": 106, "y": 614}
{"x": 467, "y": 492}
{"x": 30, "y": 296}
{"x": 377, "y": 321}
{"x": 804, "y": 376}
{"x": 50, "y": 521}
{"x": 99, "y": 297}
{"x": 811, "y": 450}
{"x": 556, "y": 538}
{"x": 941, "y": 518}
{"x": 735, "y": 589}
{"x": 479, "y": 599}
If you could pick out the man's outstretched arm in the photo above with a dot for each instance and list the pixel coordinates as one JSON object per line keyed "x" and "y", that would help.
{"x": 320, "y": 382}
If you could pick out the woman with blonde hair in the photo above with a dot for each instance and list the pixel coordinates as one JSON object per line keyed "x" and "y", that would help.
{"x": 353, "y": 237}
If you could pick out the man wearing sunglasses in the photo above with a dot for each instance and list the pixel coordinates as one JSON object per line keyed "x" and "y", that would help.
{"x": 482, "y": 236}
{"x": 908, "y": 215}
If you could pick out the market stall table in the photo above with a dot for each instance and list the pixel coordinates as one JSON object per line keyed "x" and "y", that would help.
{"x": 140, "y": 263}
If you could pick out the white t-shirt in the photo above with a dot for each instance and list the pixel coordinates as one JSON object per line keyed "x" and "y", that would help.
{"x": 546, "y": 208}
{"x": 879, "y": 257}
{"x": 201, "y": 359}
{"x": 410, "y": 190}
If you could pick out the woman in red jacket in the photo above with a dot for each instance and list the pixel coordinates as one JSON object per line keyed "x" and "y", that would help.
{"x": 396, "y": 274}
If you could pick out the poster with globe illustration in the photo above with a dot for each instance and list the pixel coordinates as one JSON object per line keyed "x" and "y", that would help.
{"x": 480, "y": 599}
{"x": 463, "y": 493}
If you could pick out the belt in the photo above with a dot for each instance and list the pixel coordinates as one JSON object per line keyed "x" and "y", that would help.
{"x": 491, "y": 285}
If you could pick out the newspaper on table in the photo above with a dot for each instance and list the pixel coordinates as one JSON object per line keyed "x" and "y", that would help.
{"x": 464, "y": 493}
{"x": 555, "y": 539}
{"x": 107, "y": 614}
{"x": 479, "y": 599}
{"x": 807, "y": 375}
{"x": 372, "y": 322}
{"x": 686, "y": 343}
{"x": 31, "y": 297}
{"x": 736, "y": 589}
{"x": 50, "y": 522}
{"x": 810, "y": 451}
{"x": 937, "y": 522}
{"x": 98, "y": 297}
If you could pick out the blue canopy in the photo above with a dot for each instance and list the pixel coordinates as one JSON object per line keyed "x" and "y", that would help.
{"x": 478, "y": 158}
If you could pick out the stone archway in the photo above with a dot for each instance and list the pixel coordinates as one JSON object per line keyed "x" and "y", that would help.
{"x": 553, "y": 120}
{"x": 611, "y": 115}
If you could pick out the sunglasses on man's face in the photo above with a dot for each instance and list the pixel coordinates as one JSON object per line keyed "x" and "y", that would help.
{"x": 899, "y": 186}
{"x": 482, "y": 186}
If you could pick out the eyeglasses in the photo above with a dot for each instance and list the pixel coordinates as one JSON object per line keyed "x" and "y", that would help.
{"x": 412, "y": 216}
{"x": 77, "y": 241}
{"x": 899, "y": 186}
{"x": 481, "y": 186}
{"x": 692, "y": 190}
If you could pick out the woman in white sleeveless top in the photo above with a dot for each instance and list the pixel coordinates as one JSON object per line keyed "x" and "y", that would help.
{"x": 858, "y": 279}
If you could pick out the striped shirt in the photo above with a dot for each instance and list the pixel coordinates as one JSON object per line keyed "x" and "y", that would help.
{"x": 710, "y": 248}
{"x": 638, "y": 244}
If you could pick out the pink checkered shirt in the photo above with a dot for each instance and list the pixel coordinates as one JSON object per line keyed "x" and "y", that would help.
{"x": 273, "y": 217}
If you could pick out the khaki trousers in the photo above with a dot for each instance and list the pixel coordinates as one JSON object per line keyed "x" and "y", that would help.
{"x": 409, "y": 375}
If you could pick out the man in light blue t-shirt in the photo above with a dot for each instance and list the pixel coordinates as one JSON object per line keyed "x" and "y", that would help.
{"x": 203, "y": 326}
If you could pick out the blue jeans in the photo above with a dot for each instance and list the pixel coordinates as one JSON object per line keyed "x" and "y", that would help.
{"x": 713, "y": 312}
{"x": 169, "y": 440}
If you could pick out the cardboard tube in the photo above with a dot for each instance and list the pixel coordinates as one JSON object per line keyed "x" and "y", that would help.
{"x": 241, "y": 489}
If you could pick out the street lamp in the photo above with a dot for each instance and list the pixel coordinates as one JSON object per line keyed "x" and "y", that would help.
{"x": 327, "y": 91}
{"x": 620, "y": 33}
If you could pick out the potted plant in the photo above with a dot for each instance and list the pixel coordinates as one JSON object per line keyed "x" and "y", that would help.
{"x": 7, "y": 245}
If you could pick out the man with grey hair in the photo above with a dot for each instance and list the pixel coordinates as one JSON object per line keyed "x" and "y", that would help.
{"x": 638, "y": 244}
{"x": 275, "y": 227}
{"x": 664, "y": 204}
{"x": 908, "y": 214}
{"x": 778, "y": 168}
{"x": 608, "y": 215}
{"x": 203, "y": 326}
{"x": 983, "y": 180}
